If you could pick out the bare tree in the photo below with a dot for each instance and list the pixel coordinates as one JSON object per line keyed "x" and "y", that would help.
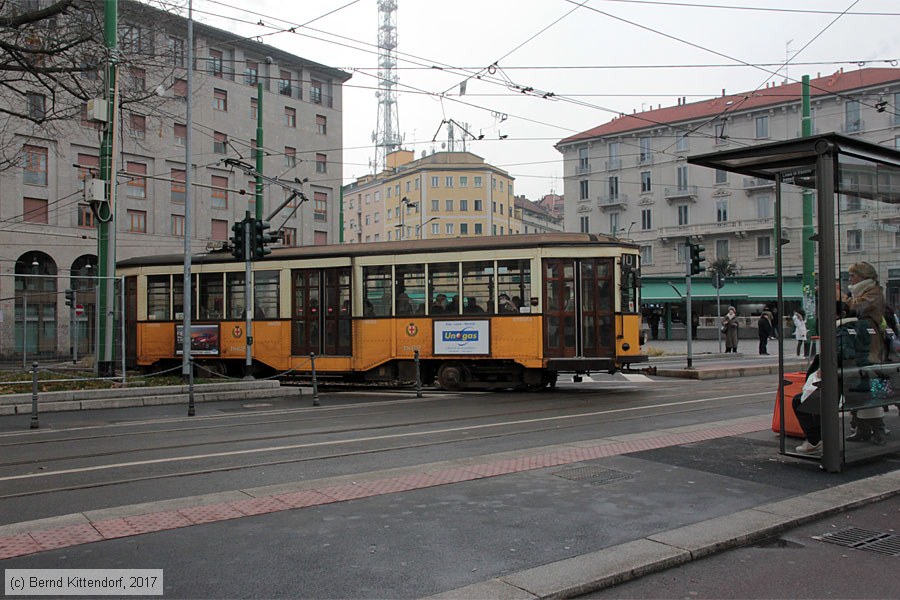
{"x": 52, "y": 59}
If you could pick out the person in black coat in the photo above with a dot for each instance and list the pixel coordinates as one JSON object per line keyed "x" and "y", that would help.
{"x": 766, "y": 331}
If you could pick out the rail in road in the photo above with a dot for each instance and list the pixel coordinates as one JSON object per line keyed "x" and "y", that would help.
{"x": 210, "y": 452}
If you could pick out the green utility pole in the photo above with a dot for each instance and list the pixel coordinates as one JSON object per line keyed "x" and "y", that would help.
{"x": 106, "y": 222}
{"x": 809, "y": 246}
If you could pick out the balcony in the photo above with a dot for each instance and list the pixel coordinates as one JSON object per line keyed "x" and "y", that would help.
{"x": 610, "y": 202}
{"x": 683, "y": 192}
{"x": 286, "y": 89}
{"x": 645, "y": 160}
{"x": 755, "y": 184}
{"x": 614, "y": 164}
{"x": 738, "y": 228}
{"x": 317, "y": 97}
{"x": 853, "y": 126}
{"x": 583, "y": 168}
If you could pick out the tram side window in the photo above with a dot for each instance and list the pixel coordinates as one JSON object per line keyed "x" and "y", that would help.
{"x": 443, "y": 288}
{"x": 178, "y": 296}
{"x": 478, "y": 287}
{"x": 265, "y": 294}
{"x": 212, "y": 297}
{"x": 410, "y": 290}
{"x": 158, "y": 288}
{"x": 377, "y": 291}
{"x": 513, "y": 282}
{"x": 235, "y": 297}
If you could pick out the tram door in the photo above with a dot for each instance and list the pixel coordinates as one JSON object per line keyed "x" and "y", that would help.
{"x": 578, "y": 307}
{"x": 320, "y": 312}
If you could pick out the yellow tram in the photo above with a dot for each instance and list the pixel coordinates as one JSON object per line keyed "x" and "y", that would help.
{"x": 508, "y": 312}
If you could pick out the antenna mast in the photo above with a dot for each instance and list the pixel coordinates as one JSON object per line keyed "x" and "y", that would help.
{"x": 387, "y": 137}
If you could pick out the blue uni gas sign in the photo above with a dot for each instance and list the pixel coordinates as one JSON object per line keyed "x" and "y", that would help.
{"x": 462, "y": 337}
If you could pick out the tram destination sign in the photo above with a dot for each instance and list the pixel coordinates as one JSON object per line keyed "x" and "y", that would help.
{"x": 462, "y": 337}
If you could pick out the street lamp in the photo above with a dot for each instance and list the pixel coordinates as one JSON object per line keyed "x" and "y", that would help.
{"x": 422, "y": 227}
{"x": 406, "y": 204}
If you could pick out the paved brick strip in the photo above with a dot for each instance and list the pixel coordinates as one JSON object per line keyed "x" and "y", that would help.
{"x": 72, "y": 535}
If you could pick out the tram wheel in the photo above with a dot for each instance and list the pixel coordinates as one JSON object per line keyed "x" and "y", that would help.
{"x": 535, "y": 380}
{"x": 214, "y": 368}
{"x": 450, "y": 376}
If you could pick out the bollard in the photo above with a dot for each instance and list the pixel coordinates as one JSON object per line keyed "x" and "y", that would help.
{"x": 312, "y": 364}
{"x": 418, "y": 376}
{"x": 191, "y": 410}
{"x": 34, "y": 393}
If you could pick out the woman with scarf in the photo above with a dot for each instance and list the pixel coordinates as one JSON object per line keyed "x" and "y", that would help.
{"x": 866, "y": 302}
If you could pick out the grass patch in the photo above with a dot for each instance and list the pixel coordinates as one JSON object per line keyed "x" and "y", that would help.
{"x": 20, "y": 383}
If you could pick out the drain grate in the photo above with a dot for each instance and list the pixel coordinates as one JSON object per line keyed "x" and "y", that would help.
{"x": 593, "y": 475}
{"x": 864, "y": 539}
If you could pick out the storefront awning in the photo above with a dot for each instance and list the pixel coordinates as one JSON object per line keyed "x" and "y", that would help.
{"x": 673, "y": 290}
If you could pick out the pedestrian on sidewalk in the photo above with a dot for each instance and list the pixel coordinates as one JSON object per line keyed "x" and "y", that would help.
{"x": 800, "y": 332}
{"x": 730, "y": 327}
{"x": 764, "y": 325}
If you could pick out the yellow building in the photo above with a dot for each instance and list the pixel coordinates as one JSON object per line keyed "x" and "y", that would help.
{"x": 441, "y": 195}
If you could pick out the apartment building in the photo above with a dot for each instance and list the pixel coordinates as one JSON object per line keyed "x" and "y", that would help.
{"x": 629, "y": 177}
{"x": 440, "y": 195}
{"x": 49, "y": 228}
{"x": 536, "y": 218}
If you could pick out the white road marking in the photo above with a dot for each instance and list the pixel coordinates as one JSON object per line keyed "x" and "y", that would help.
{"x": 369, "y": 439}
{"x": 636, "y": 377}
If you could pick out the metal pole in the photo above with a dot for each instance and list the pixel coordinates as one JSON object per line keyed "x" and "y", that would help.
{"x": 106, "y": 230}
{"x": 122, "y": 322}
{"x": 418, "y": 376}
{"x": 259, "y": 151}
{"x": 73, "y": 334}
{"x": 718, "y": 313}
{"x": 248, "y": 295}
{"x": 808, "y": 246}
{"x": 315, "y": 384}
{"x": 187, "y": 288}
{"x": 191, "y": 410}
{"x": 687, "y": 295}
{"x": 34, "y": 396}
{"x": 832, "y": 440}
{"x": 24, "y": 332}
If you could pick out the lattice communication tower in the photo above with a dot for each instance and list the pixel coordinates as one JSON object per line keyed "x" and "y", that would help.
{"x": 387, "y": 137}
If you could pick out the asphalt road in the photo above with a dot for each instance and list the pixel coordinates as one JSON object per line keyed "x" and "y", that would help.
{"x": 417, "y": 542}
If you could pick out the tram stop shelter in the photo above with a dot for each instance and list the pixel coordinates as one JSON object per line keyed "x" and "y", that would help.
{"x": 854, "y": 191}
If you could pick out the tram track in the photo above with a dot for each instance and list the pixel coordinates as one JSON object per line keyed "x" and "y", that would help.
{"x": 461, "y": 435}
{"x": 249, "y": 439}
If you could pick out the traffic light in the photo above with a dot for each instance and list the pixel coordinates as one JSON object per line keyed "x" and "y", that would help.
{"x": 237, "y": 240}
{"x": 697, "y": 258}
{"x": 261, "y": 239}
{"x": 70, "y": 298}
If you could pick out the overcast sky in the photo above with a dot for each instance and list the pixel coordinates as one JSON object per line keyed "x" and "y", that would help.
{"x": 604, "y": 57}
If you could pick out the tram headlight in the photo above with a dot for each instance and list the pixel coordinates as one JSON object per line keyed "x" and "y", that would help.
{"x": 626, "y": 346}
